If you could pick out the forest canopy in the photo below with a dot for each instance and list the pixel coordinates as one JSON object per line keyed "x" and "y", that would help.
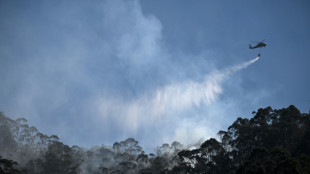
{"x": 272, "y": 141}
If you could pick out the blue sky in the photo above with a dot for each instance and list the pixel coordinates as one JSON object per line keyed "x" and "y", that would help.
{"x": 96, "y": 72}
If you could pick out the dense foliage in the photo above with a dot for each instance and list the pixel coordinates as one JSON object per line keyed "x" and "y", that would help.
{"x": 273, "y": 141}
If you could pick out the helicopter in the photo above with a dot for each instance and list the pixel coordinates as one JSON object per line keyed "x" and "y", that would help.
{"x": 258, "y": 45}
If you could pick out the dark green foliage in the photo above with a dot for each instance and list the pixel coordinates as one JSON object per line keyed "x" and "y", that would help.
{"x": 58, "y": 159}
{"x": 278, "y": 160}
{"x": 8, "y": 166}
{"x": 272, "y": 142}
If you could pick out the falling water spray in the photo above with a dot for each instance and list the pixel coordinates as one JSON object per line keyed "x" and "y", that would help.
{"x": 174, "y": 98}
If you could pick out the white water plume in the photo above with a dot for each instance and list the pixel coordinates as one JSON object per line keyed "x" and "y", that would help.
{"x": 184, "y": 95}
{"x": 169, "y": 100}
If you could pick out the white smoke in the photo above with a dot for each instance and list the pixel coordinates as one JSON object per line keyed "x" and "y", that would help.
{"x": 169, "y": 100}
{"x": 108, "y": 58}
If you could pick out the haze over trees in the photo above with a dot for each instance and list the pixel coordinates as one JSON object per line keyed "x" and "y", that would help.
{"x": 272, "y": 141}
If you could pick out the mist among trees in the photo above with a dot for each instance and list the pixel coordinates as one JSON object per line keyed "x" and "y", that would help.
{"x": 272, "y": 141}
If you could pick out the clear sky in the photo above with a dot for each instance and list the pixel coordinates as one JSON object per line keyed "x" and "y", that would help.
{"x": 95, "y": 72}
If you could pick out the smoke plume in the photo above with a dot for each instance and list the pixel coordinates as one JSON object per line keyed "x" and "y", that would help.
{"x": 168, "y": 101}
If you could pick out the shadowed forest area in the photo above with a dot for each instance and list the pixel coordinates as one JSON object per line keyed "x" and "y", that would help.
{"x": 273, "y": 141}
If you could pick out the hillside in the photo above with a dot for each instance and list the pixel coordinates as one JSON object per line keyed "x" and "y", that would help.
{"x": 272, "y": 141}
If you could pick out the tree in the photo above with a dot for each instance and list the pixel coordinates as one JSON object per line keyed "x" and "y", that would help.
{"x": 8, "y": 166}
{"x": 273, "y": 141}
{"x": 131, "y": 146}
{"x": 58, "y": 159}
